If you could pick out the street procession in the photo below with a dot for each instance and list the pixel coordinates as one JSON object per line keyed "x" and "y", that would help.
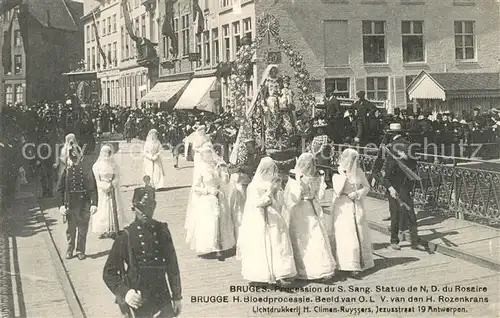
{"x": 238, "y": 158}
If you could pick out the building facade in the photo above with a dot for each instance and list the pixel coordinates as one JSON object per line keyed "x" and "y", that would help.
{"x": 37, "y": 49}
{"x": 380, "y": 46}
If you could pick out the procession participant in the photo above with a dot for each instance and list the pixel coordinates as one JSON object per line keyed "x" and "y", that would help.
{"x": 350, "y": 234}
{"x": 109, "y": 217}
{"x": 303, "y": 212}
{"x": 77, "y": 188}
{"x": 195, "y": 140}
{"x": 264, "y": 232}
{"x": 208, "y": 220}
{"x": 146, "y": 247}
{"x": 241, "y": 175}
{"x": 399, "y": 177}
{"x": 153, "y": 165}
{"x": 61, "y": 162}
{"x": 128, "y": 129}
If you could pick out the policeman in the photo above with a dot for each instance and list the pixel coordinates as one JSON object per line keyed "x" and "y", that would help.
{"x": 147, "y": 248}
{"x": 78, "y": 191}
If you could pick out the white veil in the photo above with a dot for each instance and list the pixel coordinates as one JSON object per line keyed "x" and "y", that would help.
{"x": 152, "y": 145}
{"x": 305, "y": 166}
{"x": 348, "y": 164}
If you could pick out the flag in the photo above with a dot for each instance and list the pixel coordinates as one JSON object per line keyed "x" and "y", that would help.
{"x": 96, "y": 31}
{"x": 7, "y": 47}
{"x": 128, "y": 21}
{"x": 198, "y": 16}
{"x": 167, "y": 28}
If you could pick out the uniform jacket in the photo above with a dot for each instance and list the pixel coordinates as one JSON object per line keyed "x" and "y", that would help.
{"x": 153, "y": 255}
{"x": 81, "y": 185}
{"x": 394, "y": 176}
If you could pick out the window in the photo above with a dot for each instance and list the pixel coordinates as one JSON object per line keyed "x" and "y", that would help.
{"x": 247, "y": 28}
{"x": 109, "y": 25}
{"x": 8, "y": 94}
{"x": 143, "y": 26}
{"x": 185, "y": 34}
{"x": 18, "y": 64}
{"x": 198, "y": 47}
{"x": 103, "y": 27}
{"x": 225, "y": 3}
{"x": 88, "y": 60}
{"x": 88, "y": 33}
{"x": 236, "y": 37}
{"x": 115, "y": 54}
{"x": 339, "y": 86}
{"x": 109, "y": 55}
{"x": 176, "y": 30}
{"x": 93, "y": 58}
{"x": 19, "y": 94}
{"x": 122, "y": 44}
{"x": 227, "y": 42}
{"x": 215, "y": 46}
{"x": 206, "y": 47}
{"x": 114, "y": 23}
{"x": 336, "y": 42}
{"x": 374, "y": 42}
{"x": 18, "y": 40}
{"x": 464, "y": 40}
{"x": 413, "y": 41}
{"x": 165, "y": 47}
{"x": 377, "y": 88}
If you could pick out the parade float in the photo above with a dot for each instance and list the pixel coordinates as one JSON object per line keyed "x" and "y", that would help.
{"x": 279, "y": 114}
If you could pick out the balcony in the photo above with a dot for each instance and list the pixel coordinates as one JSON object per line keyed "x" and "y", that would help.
{"x": 146, "y": 54}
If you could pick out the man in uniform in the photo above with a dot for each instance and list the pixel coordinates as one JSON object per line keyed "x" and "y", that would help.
{"x": 363, "y": 109}
{"x": 147, "y": 248}
{"x": 398, "y": 183}
{"x": 77, "y": 188}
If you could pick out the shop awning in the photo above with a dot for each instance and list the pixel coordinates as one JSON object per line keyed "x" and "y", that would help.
{"x": 444, "y": 86}
{"x": 197, "y": 94}
{"x": 162, "y": 92}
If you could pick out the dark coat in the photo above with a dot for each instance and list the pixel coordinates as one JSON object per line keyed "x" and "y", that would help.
{"x": 153, "y": 255}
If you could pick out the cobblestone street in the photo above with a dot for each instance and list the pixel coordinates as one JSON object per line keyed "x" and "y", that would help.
{"x": 213, "y": 278}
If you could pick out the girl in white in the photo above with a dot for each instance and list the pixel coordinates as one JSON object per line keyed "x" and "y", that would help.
{"x": 109, "y": 218}
{"x": 350, "y": 235}
{"x": 208, "y": 221}
{"x": 153, "y": 165}
{"x": 309, "y": 236}
{"x": 264, "y": 243}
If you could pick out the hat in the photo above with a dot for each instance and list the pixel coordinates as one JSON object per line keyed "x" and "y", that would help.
{"x": 218, "y": 121}
{"x": 142, "y": 198}
{"x": 286, "y": 79}
{"x": 360, "y": 93}
{"x": 320, "y": 123}
{"x": 395, "y": 127}
{"x": 463, "y": 121}
{"x": 477, "y": 109}
{"x": 248, "y": 139}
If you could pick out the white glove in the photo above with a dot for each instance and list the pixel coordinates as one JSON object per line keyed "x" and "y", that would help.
{"x": 393, "y": 192}
{"x": 93, "y": 209}
{"x": 63, "y": 211}
{"x": 177, "y": 305}
{"x": 133, "y": 298}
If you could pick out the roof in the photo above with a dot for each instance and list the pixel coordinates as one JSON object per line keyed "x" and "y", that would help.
{"x": 454, "y": 85}
{"x": 54, "y": 14}
{"x": 467, "y": 81}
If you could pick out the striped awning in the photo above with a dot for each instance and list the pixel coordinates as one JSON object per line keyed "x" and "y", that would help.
{"x": 162, "y": 92}
{"x": 197, "y": 94}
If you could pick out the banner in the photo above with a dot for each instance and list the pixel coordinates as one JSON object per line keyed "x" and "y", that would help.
{"x": 128, "y": 21}
{"x": 198, "y": 16}
{"x": 167, "y": 28}
{"x": 7, "y": 48}
{"x": 96, "y": 32}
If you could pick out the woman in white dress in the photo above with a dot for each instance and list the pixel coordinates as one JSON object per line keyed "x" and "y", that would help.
{"x": 350, "y": 235}
{"x": 309, "y": 236}
{"x": 208, "y": 222}
{"x": 153, "y": 165}
{"x": 264, "y": 243}
{"x": 109, "y": 218}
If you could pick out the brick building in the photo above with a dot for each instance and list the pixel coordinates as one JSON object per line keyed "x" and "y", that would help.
{"x": 41, "y": 40}
{"x": 380, "y": 46}
{"x": 188, "y": 79}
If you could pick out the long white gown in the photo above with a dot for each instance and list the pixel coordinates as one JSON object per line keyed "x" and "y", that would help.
{"x": 109, "y": 203}
{"x": 153, "y": 165}
{"x": 350, "y": 234}
{"x": 208, "y": 223}
{"x": 264, "y": 243}
{"x": 308, "y": 233}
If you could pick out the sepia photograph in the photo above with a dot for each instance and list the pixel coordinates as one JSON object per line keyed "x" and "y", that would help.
{"x": 249, "y": 158}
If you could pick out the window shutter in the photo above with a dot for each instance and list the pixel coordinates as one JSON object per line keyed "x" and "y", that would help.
{"x": 399, "y": 86}
{"x": 360, "y": 85}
